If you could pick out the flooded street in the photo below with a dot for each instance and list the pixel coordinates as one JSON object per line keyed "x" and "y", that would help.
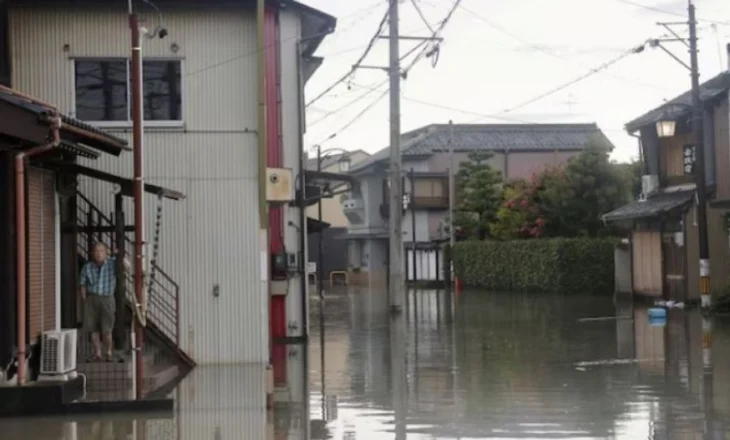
{"x": 496, "y": 366}
{"x": 517, "y": 366}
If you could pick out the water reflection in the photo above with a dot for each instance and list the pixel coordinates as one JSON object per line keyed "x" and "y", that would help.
{"x": 515, "y": 366}
{"x": 478, "y": 366}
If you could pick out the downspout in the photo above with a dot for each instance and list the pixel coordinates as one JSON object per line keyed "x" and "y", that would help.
{"x": 303, "y": 195}
{"x": 263, "y": 207}
{"x": 21, "y": 243}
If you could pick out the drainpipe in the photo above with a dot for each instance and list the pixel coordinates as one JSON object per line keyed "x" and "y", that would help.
{"x": 139, "y": 238}
{"x": 303, "y": 195}
{"x": 262, "y": 156}
{"x": 21, "y": 244}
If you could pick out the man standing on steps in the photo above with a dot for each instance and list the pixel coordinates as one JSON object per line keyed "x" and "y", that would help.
{"x": 98, "y": 284}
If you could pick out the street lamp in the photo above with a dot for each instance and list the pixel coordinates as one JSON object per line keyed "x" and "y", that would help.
{"x": 344, "y": 159}
{"x": 698, "y": 131}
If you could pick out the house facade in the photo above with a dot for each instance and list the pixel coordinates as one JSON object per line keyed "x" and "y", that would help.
{"x": 518, "y": 152}
{"x": 201, "y": 138}
{"x": 48, "y": 232}
{"x": 663, "y": 222}
{"x": 333, "y": 223}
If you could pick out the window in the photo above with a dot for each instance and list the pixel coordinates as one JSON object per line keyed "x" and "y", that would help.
{"x": 344, "y": 163}
{"x": 103, "y": 90}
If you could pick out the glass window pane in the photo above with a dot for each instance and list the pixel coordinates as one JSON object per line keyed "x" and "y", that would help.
{"x": 162, "y": 97}
{"x": 101, "y": 90}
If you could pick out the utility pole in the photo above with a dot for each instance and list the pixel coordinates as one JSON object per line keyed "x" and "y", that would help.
{"x": 396, "y": 284}
{"x": 138, "y": 153}
{"x": 412, "y": 179}
{"x": 320, "y": 249}
{"x": 698, "y": 129}
{"x": 452, "y": 192}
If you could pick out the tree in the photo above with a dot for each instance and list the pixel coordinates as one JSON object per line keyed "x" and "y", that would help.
{"x": 478, "y": 195}
{"x": 519, "y": 216}
{"x": 631, "y": 175}
{"x": 574, "y": 201}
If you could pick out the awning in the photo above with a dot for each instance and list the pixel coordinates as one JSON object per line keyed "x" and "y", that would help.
{"x": 314, "y": 225}
{"x": 126, "y": 185}
{"x": 652, "y": 207}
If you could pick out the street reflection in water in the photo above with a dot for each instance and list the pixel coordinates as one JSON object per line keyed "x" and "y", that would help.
{"x": 508, "y": 366}
{"x": 480, "y": 366}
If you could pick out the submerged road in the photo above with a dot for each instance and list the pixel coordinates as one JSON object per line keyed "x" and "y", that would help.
{"x": 480, "y": 366}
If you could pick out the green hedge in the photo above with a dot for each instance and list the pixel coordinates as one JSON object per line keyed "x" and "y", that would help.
{"x": 566, "y": 265}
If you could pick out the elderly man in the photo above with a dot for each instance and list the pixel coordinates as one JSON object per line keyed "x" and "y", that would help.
{"x": 98, "y": 284}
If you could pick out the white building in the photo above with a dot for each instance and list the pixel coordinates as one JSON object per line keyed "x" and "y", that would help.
{"x": 201, "y": 138}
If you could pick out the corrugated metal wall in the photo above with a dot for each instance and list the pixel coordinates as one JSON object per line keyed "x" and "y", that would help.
{"x": 223, "y": 402}
{"x": 207, "y": 239}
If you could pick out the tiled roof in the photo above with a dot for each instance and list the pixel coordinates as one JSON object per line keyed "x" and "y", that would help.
{"x": 679, "y": 106}
{"x": 651, "y": 207}
{"x": 470, "y": 137}
{"x": 42, "y": 110}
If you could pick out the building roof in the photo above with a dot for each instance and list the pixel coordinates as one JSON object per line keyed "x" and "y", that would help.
{"x": 652, "y": 207}
{"x": 83, "y": 133}
{"x": 430, "y": 139}
{"x": 681, "y": 105}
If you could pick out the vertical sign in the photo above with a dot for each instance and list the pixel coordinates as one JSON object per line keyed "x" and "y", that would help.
{"x": 688, "y": 160}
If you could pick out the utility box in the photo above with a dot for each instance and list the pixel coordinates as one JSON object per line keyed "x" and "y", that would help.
{"x": 279, "y": 185}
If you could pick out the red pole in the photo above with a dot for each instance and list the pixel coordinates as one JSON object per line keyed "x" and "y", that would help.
{"x": 137, "y": 141}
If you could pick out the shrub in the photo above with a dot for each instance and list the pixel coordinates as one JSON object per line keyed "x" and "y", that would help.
{"x": 565, "y": 265}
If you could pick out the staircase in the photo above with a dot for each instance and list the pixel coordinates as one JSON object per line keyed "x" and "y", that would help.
{"x": 164, "y": 360}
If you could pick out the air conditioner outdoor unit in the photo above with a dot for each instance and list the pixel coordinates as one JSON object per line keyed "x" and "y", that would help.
{"x": 58, "y": 355}
{"x": 353, "y": 204}
{"x": 649, "y": 184}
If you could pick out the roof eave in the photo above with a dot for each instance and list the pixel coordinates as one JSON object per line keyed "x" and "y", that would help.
{"x": 320, "y": 23}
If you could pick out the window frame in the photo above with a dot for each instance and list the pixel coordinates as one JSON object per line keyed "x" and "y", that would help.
{"x": 178, "y": 123}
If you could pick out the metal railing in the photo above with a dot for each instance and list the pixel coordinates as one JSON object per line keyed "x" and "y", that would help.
{"x": 163, "y": 293}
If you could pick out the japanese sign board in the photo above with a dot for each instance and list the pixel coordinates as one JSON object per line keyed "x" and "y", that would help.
{"x": 688, "y": 160}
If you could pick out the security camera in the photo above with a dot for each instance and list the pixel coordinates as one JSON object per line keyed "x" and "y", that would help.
{"x": 163, "y": 33}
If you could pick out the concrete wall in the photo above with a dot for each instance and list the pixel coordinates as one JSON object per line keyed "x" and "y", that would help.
{"x": 212, "y": 237}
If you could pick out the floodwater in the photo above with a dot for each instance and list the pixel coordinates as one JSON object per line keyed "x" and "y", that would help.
{"x": 478, "y": 366}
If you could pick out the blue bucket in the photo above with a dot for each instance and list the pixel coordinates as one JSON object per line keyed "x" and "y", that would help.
{"x": 657, "y": 312}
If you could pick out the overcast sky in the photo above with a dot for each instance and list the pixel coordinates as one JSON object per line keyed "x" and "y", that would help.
{"x": 497, "y": 54}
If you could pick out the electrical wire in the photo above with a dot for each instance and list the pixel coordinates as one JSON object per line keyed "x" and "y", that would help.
{"x": 434, "y": 50}
{"x": 254, "y": 52}
{"x": 547, "y": 50}
{"x": 425, "y": 52}
{"x": 356, "y": 118}
{"x": 422, "y": 15}
{"x": 664, "y": 11}
{"x": 354, "y": 67}
{"x": 564, "y": 86}
{"x": 348, "y": 104}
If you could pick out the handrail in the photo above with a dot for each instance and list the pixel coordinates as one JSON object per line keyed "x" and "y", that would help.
{"x": 163, "y": 292}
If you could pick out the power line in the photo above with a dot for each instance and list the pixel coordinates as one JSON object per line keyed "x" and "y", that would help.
{"x": 425, "y": 51}
{"x": 434, "y": 51}
{"x": 422, "y": 15}
{"x": 348, "y": 104}
{"x": 564, "y": 86}
{"x": 545, "y": 49}
{"x": 254, "y": 52}
{"x": 356, "y": 118}
{"x": 354, "y": 67}
{"x": 664, "y": 11}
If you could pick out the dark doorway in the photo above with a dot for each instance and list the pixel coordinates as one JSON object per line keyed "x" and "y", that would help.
{"x": 673, "y": 252}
